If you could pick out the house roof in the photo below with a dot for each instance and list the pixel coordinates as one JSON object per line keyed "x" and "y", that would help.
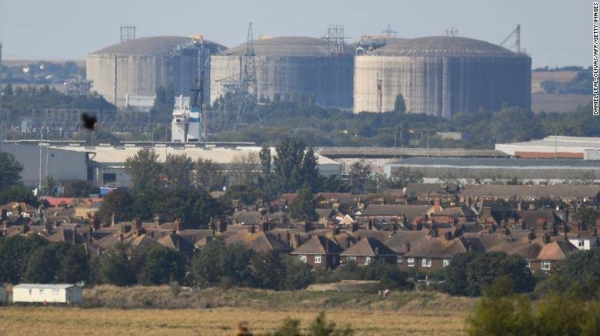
{"x": 437, "y": 248}
{"x": 247, "y": 217}
{"x": 176, "y": 242}
{"x": 419, "y": 189}
{"x": 344, "y": 240}
{"x": 461, "y": 211}
{"x": 562, "y": 190}
{"x": 527, "y": 249}
{"x": 369, "y": 247}
{"x": 323, "y": 213}
{"x": 67, "y": 235}
{"x": 44, "y": 286}
{"x": 532, "y": 216}
{"x": 410, "y": 211}
{"x": 380, "y": 235}
{"x": 259, "y": 241}
{"x": 398, "y": 240}
{"x": 556, "y": 250}
{"x": 319, "y": 245}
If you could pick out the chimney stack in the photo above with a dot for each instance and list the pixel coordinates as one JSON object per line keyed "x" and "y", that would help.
{"x": 178, "y": 225}
{"x": 436, "y": 205}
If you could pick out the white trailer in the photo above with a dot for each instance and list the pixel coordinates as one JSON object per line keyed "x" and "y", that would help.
{"x": 42, "y": 293}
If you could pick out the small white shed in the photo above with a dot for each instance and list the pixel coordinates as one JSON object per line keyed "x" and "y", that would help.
{"x": 41, "y": 293}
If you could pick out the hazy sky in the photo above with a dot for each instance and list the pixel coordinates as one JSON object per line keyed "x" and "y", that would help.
{"x": 554, "y": 32}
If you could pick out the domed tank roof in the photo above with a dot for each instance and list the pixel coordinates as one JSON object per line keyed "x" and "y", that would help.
{"x": 158, "y": 45}
{"x": 287, "y": 46}
{"x": 442, "y": 46}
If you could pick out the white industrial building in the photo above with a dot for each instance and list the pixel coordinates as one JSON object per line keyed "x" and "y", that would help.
{"x": 560, "y": 146}
{"x": 104, "y": 165}
{"x": 41, "y": 293}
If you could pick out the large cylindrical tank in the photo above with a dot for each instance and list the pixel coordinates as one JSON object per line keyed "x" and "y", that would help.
{"x": 289, "y": 66}
{"x": 441, "y": 76}
{"x": 138, "y": 67}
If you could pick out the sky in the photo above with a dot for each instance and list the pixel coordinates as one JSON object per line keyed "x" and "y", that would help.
{"x": 553, "y": 32}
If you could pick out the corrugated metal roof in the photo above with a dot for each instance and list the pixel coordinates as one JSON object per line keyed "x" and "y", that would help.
{"x": 498, "y": 163}
{"x": 44, "y": 286}
{"x": 112, "y": 155}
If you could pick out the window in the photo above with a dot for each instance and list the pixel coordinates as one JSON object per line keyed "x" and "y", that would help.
{"x": 109, "y": 177}
{"x": 411, "y": 262}
{"x": 581, "y": 243}
{"x": 446, "y": 262}
{"x": 426, "y": 262}
{"x": 303, "y": 258}
{"x": 399, "y": 260}
{"x": 367, "y": 260}
{"x": 351, "y": 259}
{"x": 528, "y": 264}
{"x": 55, "y": 292}
{"x": 30, "y": 292}
{"x": 317, "y": 259}
{"x": 41, "y": 291}
{"x": 546, "y": 265}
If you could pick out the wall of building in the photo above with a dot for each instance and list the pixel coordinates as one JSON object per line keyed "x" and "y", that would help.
{"x": 61, "y": 164}
{"x": 47, "y": 294}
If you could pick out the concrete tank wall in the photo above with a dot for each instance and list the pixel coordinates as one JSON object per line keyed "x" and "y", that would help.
{"x": 442, "y": 86}
{"x": 329, "y": 79}
{"x": 138, "y": 75}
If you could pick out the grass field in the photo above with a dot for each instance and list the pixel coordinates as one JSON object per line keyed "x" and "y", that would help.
{"x": 221, "y": 321}
{"x": 109, "y": 310}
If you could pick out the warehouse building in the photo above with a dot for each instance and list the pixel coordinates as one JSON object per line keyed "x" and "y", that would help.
{"x": 555, "y": 147}
{"x": 486, "y": 169}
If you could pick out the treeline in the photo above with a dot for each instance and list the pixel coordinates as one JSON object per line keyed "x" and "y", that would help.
{"x": 27, "y": 102}
{"x": 565, "y": 302}
{"x": 35, "y": 260}
{"x": 333, "y": 127}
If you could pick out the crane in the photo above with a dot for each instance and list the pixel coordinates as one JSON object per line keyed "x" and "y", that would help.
{"x": 517, "y": 32}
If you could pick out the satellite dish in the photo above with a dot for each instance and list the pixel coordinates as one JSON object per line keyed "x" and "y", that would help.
{"x": 26, "y": 69}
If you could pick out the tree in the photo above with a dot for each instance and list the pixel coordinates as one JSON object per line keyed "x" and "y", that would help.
{"x": 310, "y": 170}
{"x": 10, "y": 170}
{"x": 501, "y": 312}
{"x": 146, "y": 171}
{"x": 303, "y": 206}
{"x": 578, "y": 276}
{"x": 225, "y": 265}
{"x": 18, "y": 193}
{"x": 319, "y": 327}
{"x": 401, "y": 177}
{"x": 587, "y": 217}
{"x": 74, "y": 264}
{"x": 399, "y": 104}
{"x": 207, "y": 175}
{"x": 359, "y": 173}
{"x": 177, "y": 171}
{"x": 113, "y": 267}
{"x": 247, "y": 194}
{"x": 468, "y": 274}
{"x": 79, "y": 188}
{"x": 298, "y": 275}
{"x": 269, "y": 270}
{"x": 42, "y": 266}
{"x": 15, "y": 252}
{"x": 293, "y": 169}
{"x": 161, "y": 266}
{"x": 243, "y": 168}
{"x": 117, "y": 206}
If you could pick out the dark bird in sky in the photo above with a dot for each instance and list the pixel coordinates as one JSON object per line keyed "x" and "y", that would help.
{"x": 89, "y": 121}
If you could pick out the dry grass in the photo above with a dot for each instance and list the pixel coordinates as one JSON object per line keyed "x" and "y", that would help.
{"x": 76, "y": 321}
{"x": 149, "y": 311}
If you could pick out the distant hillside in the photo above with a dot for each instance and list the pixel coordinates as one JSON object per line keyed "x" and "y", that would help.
{"x": 558, "y": 102}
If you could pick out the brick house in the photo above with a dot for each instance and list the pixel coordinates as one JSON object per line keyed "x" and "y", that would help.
{"x": 319, "y": 252}
{"x": 368, "y": 250}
